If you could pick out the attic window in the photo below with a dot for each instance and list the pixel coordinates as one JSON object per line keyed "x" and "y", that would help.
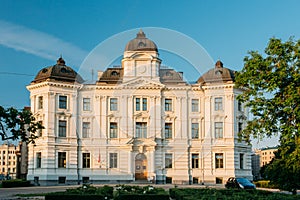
{"x": 44, "y": 70}
{"x": 169, "y": 74}
{"x": 218, "y": 72}
{"x": 142, "y": 44}
{"x": 114, "y": 73}
{"x": 63, "y": 70}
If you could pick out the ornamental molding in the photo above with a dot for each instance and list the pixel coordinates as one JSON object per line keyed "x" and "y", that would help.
{"x": 54, "y": 84}
{"x": 141, "y": 83}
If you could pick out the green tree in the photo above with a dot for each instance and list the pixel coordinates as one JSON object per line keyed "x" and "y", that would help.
{"x": 272, "y": 93}
{"x": 15, "y": 124}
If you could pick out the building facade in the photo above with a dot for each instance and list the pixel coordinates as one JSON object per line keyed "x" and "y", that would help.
{"x": 139, "y": 121}
{"x": 8, "y": 161}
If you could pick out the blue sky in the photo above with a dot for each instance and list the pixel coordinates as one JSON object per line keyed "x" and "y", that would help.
{"x": 33, "y": 34}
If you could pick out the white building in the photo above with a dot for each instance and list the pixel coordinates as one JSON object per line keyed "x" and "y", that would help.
{"x": 8, "y": 161}
{"x": 137, "y": 122}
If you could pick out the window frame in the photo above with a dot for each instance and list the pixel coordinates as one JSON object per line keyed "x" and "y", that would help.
{"x": 195, "y": 105}
{"x": 40, "y": 102}
{"x": 195, "y": 130}
{"x": 86, "y": 104}
{"x": 86, "y": 160}
{"x": 38, "y": 159}
{"x": 218, "y": 103}
{"x": 219, "y": 130}
{"x": 219, "y": 162}
{"x": 168, "y": 132}
{"x": 62, "y": 101}
{"x": 195, "y": 161}
{"x": 86, "y": 129}
{"x": 113, "y": 160}
{"x": 62, "y": 160}
{"x": 168, "y": 104}
{"x": 113, "y": 130}
{"x": 141, "y": 130}
{"x": 62, "y": 128}
{"x": 113, "y": 104}
{"x": 168, "y": 160}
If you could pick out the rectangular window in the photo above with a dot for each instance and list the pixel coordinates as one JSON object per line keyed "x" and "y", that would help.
{"x": 113, "y": 130}
{"x": 137, "y": 104}
{"x": 86, "y": 126}
{"x": 113, "y": 104}
{"x": 195, "y": 130}
{"x": 168, "y": 104}
{"x": 241, "y": 161}
{"x": 40, "y": 131}
{"x": 218, "y": 103}
{"x": 168, "y": 130}
{"x": 168, "y": 160}
{"x": 219, "y": 129}
{"x": 86, "y": 104}
{"x": 144, "y": 104}
{"x": 141, "y": 129}
{"x": 86, "y": 160}
{"x": 40, "y": 102}
{"x": 63, "y": 102}
{"x": 195, "y": 160}
{"x": 62, "y": 128}
{"x": 38, "y": 160}
{"x": 219, "y": 160}
{"x": 62, "y": 160}
{"x": 113, "y": 160}
{"x": 195, "y": 105}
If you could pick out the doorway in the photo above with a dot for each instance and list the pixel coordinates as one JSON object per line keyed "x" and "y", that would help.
{"x": 140, "y": 167}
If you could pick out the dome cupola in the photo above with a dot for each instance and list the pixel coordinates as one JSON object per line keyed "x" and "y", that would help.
{"x": 58, "y": 72}
{"x": 141, "y": 43}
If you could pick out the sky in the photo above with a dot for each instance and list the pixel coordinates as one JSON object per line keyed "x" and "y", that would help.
{"x": 34, "y": 34}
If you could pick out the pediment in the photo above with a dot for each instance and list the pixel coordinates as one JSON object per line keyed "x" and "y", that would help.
{"x": 142, "y": 142}
{"x": 141, "y": 83}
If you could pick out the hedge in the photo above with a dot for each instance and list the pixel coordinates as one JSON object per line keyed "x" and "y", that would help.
{"x": 65, "y": 196}
{"x": 15, "y": 183}
{"x": 142, "y": 197}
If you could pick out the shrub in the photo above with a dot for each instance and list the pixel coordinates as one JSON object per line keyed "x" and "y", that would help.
{"x": 66, "y": 196}
{"x": 15, "y": 183}
{"x": 142, "y": 197}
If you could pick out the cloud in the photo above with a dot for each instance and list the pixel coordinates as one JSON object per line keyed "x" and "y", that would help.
{"x": 38, "y": 43}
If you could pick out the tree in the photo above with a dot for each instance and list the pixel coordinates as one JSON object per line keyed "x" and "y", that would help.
{"x": 16, "y": 125}
{"x": 272, "y": 93}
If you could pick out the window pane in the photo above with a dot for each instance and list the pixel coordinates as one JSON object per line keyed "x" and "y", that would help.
{"x": 137, "y": 104}
{"x": 168, "y": 130}
{"x": 218, "y": 103}
{"x": 241, "y": 161}
{"x": 195, "y": 105}
{"x": 168, "y": 160}
{"x": 62, "y": 128}
{"x": 86, "y": 160}
{"x": 168, "y": 104}
{"x": 62, "y": 159}
{"x": 195, "y": 130}
{"x": 113, "y": 130}
{"x": 85, "y": 129}
{"x": 144, "y": 104}
{"x": 86, "y": 104}
{"x": 219, "y": 129}
{"x": 141, "y": 129}
{"x": 113, "y": 104}
{"x": 63, "y": 102}
{"x": 113, "y": 160}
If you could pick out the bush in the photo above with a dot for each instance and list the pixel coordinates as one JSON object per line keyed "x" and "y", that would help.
{"x": 142, "y": 197}
{"x": 265, "y": 184}
{"x": 66, "y": 196}
{"x": 15, "y": 183}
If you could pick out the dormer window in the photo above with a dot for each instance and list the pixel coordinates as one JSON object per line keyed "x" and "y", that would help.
{"x": 114, "y": 73}
{"x": 141, "y": 44}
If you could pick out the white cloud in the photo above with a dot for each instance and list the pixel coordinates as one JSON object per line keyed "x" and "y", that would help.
{"x": 38, "y": 43}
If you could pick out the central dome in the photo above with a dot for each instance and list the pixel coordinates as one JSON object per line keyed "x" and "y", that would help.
{"x": 141, "y": 43}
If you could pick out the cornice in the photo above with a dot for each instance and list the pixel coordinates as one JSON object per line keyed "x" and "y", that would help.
{"x": 53, "y": 84}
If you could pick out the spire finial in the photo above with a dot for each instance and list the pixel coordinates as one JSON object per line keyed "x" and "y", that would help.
{"x": 60, "y": 61}
{"x": 140, "y": 34}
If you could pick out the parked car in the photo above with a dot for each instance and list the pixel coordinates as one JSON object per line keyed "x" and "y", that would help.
{"x": 241, "y": 183}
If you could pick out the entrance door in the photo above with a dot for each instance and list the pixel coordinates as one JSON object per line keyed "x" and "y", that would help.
{"x": 140, "y": 167}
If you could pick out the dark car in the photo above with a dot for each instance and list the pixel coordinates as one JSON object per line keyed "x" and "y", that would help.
{"x": 241, "y": 183}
